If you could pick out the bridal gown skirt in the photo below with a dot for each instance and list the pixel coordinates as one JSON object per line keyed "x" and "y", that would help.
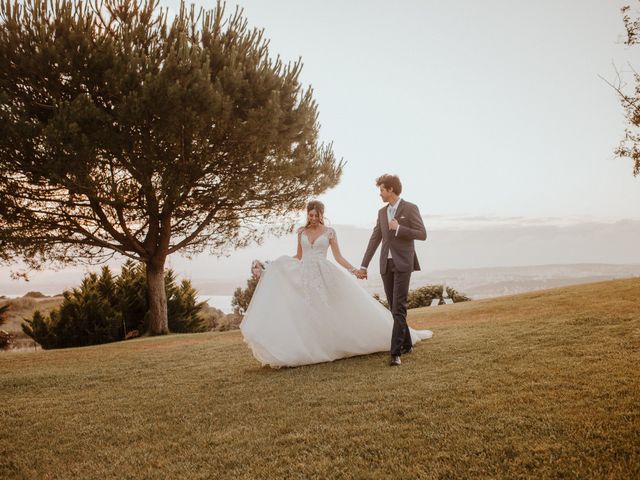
{"x": 305, "y": 312}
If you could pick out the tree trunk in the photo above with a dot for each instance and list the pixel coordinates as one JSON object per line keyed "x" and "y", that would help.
{"x": 157, "y": 299}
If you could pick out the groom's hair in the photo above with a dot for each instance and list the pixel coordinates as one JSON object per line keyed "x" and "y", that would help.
{"x": 390, "y": 182}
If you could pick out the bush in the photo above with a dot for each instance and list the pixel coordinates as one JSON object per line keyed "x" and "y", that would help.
{"x": 218, "y": 321}
{"x": 230, "y": 321}
{"x": 5, "y": 337}
{"x": 242, "y": 296}
{"x": 423, "y": 296}
{"x": 211, "y": 316}
{"x": 182, "y": 307}
{"x": 88, "y": 316}
{"x": 106, "y": 309}
{"x": 3, "y": 314}
{"x": 457, "y": 296}
{"x": 6, "y": 340}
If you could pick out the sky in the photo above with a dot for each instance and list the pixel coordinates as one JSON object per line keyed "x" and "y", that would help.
{"x": 496, "y": 115}
{"x": 484, "y": 109}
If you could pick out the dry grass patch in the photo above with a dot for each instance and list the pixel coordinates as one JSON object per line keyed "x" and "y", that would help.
{"x": 24, "y": 307}
{"x": 21, "y": 309}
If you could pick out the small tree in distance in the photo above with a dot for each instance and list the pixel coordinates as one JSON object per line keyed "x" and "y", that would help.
{"x": 124, "y": 133}
{"x": 630, "y": 145}
{"x": 422, "y": 296}
{"x": 242, "y": 296}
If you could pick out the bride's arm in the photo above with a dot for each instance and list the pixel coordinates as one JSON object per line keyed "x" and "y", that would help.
{"x": 335, "y": 249}
{"x": 298, "y": 254}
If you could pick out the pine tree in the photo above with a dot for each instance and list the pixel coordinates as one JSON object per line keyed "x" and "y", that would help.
{"x": 123, "y": 132}
{"x": 131, "y": 291}
{"x": 184, "y": 310}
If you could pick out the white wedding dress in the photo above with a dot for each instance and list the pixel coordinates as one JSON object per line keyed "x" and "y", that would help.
{"x": 311, "y": 311}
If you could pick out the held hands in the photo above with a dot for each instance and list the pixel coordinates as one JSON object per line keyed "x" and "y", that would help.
{"x": 393, "y": 224}
{"x": 360, "y": 273}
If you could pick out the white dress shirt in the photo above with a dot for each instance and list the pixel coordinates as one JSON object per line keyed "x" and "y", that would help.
{"x": 391, "y": 213}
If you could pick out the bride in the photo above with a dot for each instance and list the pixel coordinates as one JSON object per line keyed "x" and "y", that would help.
{"x": 306, "y": 310}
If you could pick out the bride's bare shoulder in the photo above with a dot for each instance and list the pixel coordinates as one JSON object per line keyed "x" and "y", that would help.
{"x": 301, "y": 230}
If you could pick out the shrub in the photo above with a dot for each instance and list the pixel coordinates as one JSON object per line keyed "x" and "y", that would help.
{"x": 106, "y": 308}
{"x": 423, "y": 296}
{"x": 3, "y": 314}
{"x": 242, "y": 296}
{"x": 457, "y": 296}
{"x": 230, "y": 321}
{"x": 88, "y": 316}
{"x": 211, "y": 316}
{"x": 5, "y": 337}
{"x": 182, "y": 308}
{"x": 217, "y": 320}
{"x": 6, "y": 340}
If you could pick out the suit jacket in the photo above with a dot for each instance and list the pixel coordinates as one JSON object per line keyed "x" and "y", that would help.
{"x": 401, "y": 245}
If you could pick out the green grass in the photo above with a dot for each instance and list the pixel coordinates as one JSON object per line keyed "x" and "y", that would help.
{"x": 540, "y": 385}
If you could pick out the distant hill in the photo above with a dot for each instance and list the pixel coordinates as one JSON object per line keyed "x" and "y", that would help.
{"x": 497, "y": 281}
{"x": 471, "y": 254}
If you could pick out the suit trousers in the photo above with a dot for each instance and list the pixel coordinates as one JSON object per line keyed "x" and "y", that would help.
{"x": 396, "y": 287}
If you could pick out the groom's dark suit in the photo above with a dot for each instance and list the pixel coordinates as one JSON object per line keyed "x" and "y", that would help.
{"x": 396, "y": 271}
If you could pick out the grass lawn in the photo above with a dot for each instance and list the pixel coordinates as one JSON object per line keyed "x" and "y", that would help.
{"x": 538, "y": 385}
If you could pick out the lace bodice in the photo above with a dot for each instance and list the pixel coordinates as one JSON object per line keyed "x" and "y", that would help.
{"x": 313, "y": 256}
{"x": 317, "y": 249}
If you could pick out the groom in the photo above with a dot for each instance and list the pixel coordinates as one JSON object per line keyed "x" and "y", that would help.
{"x": 398, "y": 225}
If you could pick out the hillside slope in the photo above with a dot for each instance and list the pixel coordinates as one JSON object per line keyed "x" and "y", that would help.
{"x": 539, "y": 385}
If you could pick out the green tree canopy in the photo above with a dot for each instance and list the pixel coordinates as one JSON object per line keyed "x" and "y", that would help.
{"x": 124, "y": 133}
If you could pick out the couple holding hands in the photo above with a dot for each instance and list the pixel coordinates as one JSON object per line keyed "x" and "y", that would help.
{"x": 306, "y": 310}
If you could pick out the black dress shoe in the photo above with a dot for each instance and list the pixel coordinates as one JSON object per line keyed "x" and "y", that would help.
{"x": 395, "y": 360}
{"x": 407, "y": 350}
